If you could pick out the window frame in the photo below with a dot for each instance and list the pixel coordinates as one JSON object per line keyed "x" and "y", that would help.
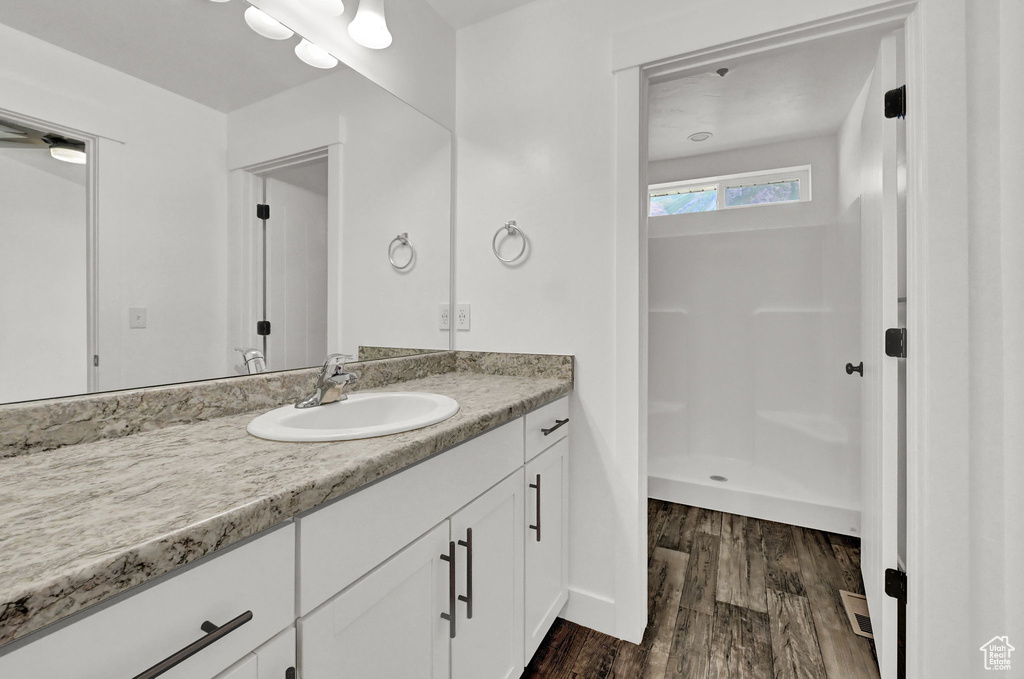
{"x": 722, "y": 183}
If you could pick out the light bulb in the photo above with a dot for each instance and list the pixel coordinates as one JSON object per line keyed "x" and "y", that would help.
{"x": 333, "y": 8}
{"x": 314, "y": 56}
{"x": 369, "y": 28}
{"x": 267, "y": 26}
{"x": 68, "y": 153}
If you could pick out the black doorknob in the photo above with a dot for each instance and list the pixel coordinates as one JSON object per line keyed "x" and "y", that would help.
{"x": 851, "y": 368}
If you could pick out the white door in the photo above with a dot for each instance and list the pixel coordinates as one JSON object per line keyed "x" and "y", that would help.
{"x": 880, "y": 311}
{"x": 296, "y": 274}
{"x": 546, "y": 583}
{"x": 488, "y": 643}
{"x": 388, "y": 625}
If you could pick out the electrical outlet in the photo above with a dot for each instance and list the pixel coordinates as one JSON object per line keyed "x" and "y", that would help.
{"x": 462, "y": 317}
{"x": 137, "y": 317}
{"x": 444, "y": 317}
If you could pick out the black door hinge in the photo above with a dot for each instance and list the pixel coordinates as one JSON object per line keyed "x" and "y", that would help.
{"x": 289, "y": 673}
{"x": 262, "y": 328}
{"x": 896, "y": 342}
{"x": 896, "y": 102}
{"x": 896, "y": 584}
{"x": 262, "y": 211}
{"x": 96, "y": 360}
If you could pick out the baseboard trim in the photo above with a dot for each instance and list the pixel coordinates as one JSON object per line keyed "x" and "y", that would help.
{"x": 798, "y": 513}
{"x": 590, "y": 610}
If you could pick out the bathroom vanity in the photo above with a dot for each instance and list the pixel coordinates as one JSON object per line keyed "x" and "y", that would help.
{"x": 437, "y": 552}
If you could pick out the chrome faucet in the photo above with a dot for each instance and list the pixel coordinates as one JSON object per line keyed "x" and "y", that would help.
{"x": 330, "y": 382}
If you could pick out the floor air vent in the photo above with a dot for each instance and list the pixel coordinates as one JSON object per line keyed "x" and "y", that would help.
{"x": 856, "y": 606}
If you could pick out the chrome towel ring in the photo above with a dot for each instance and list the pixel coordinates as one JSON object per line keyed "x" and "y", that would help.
{"x": 511, "y": 229}
{"x": 401, "y": 239}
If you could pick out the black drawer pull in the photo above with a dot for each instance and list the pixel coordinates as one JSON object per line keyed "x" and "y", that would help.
{"x": 558, "y": 423}
{"x": 536, "y": 486}
{"x": 452, "y": 598}
{"x": 468, "y": 599}
{"x": 213, "y": 634}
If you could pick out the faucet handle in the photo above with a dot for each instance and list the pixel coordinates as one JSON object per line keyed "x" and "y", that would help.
{"x": 335, "y": 363}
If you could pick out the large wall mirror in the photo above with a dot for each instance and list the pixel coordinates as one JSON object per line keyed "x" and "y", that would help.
{"x": 137, "y": 140}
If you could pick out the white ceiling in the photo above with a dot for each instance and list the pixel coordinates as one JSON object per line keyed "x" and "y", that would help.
{"x": 199, "y": 49}
{"x": 462, "y": 13}
{"x": 796, "y": 92}
{"x": 311, "y": 176}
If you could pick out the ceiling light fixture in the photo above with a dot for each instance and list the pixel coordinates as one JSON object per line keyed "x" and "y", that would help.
{"x": 267, "y": 26}
{"x": 333, "y": 8}
{"x": 314, "y": 56}
{"x": 69, "y": 152}
{"x": 700, "y": 136}
{"x": 369, "y": 28}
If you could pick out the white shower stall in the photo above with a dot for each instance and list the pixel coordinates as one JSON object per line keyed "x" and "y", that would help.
{"x": 754, "y": 312}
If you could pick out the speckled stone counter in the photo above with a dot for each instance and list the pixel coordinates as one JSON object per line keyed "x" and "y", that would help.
{"x": 85, "y": 522}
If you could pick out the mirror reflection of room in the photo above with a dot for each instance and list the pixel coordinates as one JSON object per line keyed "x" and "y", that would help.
{"x": 148, "y": 253}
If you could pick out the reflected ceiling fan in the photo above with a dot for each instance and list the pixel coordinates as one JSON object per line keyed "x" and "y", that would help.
{"x": 17, "y": 136}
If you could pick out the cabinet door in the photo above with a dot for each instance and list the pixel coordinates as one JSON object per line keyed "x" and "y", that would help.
{"x": 246, "y": 668}
{"x": 547, "y": 545}
{"x": 387, "y": 625}
{"x": 277, "y": 656}
{"x": 489, "y": 547}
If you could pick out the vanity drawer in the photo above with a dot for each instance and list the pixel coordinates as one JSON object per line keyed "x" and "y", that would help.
{"x": 548, "y": 417}
{"x": 135, "y": 633}
{"x": 343, "y": 541}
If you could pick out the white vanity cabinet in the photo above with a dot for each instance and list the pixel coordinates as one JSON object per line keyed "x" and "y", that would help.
{"x": 387, "y": 625}
{"x": 546, "y": 547}
{"x": 488, "y": 539}
{"x": 472, "y": 597}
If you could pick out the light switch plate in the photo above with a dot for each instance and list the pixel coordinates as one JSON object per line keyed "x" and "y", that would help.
{"x": 137, "y": 317}
{"x": 462, "y": 317}
{"x": 444, "y": 317}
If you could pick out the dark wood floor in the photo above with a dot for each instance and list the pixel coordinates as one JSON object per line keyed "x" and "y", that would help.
{"x": 730, "y": 597}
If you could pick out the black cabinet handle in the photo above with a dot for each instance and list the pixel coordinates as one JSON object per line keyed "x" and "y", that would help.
{"x": 450, "y": 615}
{"x": 558, "y": 423}
{"x": 468, "y": 599}
{"x": 537, "y": 487}
{"x": 213, "y": 634}
{"x": 851, "y": 368}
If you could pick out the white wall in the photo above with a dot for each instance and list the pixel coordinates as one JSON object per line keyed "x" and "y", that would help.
{"x": 536, "y": 107}
{"x": 162, "y": 208}
{"x": 394, "y": 174}
{"x": 43, "y": 336}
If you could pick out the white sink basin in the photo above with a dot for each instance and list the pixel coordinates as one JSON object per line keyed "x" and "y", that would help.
{"x": 360, "y": 416}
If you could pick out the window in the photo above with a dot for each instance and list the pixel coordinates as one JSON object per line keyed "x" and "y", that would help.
{"x": 786, "y": 185}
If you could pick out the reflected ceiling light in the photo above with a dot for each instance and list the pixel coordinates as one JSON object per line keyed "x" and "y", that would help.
{"x": 267, "y": 26}
{"x": 369, "y": 28}
{"x": 69, "y": 152}
{"x": 220, "y": 0}
{"x": 314, "y": 56}
{"x": 334, "y": 8}
{"x": 700, "y": 136}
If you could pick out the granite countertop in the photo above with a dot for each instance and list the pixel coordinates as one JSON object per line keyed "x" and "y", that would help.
{"x": 86, "y": 522}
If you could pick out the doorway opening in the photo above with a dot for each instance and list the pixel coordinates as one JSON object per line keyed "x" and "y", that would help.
{"x": 288, "y": 261}
{"x": 768, "y": 391}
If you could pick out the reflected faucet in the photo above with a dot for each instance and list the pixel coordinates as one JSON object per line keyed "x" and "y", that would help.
{"x": 330, "y": 382}
{"x": 253, "y": 361}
